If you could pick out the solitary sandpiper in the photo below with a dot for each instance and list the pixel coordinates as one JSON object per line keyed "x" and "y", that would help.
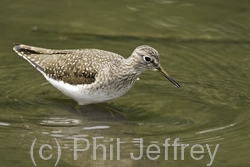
{"x": 92, "y": 75}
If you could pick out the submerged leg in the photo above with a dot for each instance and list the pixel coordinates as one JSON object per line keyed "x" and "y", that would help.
{"x": 78, "y": 108}
{"x": 110, "y": 109}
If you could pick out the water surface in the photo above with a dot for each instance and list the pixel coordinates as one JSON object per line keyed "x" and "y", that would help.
{"x": 204, "y": 45}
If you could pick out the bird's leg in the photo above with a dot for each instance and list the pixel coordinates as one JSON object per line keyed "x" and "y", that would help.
{"x": 78, "y": 108}
{"x": 110, "y": 109}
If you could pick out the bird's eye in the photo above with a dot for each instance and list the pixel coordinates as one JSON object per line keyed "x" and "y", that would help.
{"x": 147, "y": 59}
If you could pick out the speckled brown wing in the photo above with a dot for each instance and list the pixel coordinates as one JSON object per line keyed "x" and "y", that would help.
{"x": 70, "y": 66}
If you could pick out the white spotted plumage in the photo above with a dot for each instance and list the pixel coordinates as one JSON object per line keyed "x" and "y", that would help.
{"x": 91, "y": 75}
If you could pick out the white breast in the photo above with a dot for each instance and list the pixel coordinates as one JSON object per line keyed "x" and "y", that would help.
{"x": 83, "y": 94}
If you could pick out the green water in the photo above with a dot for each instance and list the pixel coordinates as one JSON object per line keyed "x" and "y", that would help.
{"x": 204, "y": 45}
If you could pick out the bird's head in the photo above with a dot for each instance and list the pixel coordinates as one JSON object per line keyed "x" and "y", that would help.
{"x": 147, "y": 58}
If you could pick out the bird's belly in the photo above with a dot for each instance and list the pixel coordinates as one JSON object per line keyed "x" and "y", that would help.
{"x": 84, "y": 94}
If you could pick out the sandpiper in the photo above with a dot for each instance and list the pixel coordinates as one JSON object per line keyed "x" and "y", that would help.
{"x": 92, "y": 75}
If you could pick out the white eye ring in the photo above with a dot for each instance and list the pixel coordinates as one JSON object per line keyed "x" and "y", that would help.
{"x": 147, "y": 59}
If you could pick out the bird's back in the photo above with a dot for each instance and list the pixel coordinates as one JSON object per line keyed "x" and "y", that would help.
{"x": 74, "y": 67}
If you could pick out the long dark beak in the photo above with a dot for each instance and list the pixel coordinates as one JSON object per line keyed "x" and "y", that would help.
{"x": 165, "y": 74}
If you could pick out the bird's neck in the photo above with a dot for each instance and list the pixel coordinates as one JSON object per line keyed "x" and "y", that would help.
{"x": 131, "y": 64}
{"x": 128, "y": 70}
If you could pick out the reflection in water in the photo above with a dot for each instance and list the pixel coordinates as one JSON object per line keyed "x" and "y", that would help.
{"x": 4, "y": 124}
{"x": 60, "y": 121}
{"x": 96, "y": 127}
{"x": 211, "y": 130}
